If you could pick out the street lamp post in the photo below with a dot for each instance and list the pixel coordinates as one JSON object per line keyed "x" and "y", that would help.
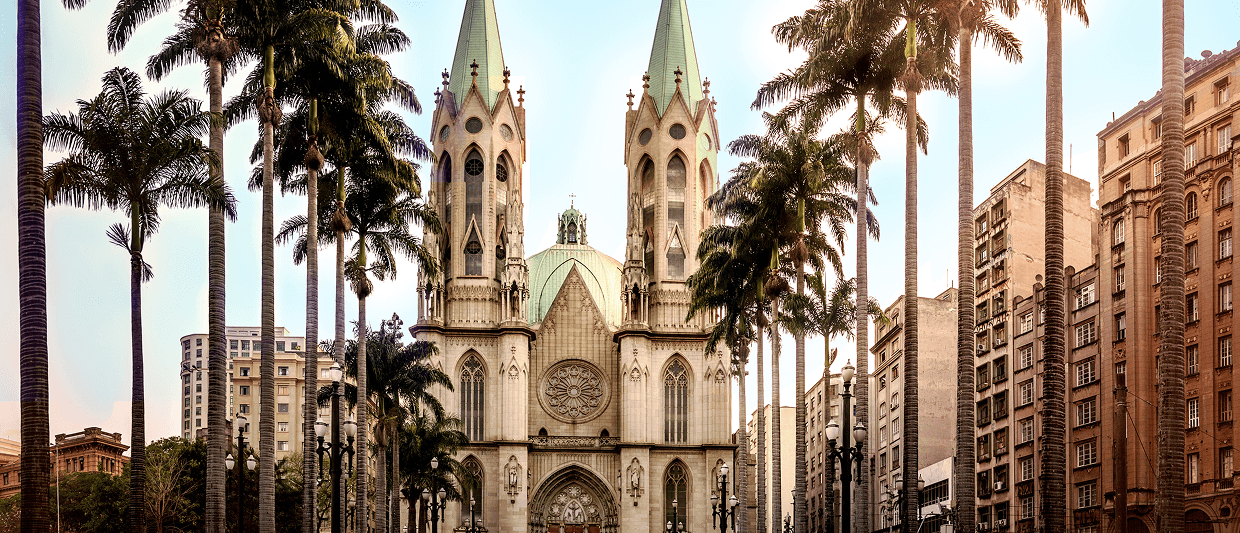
{"x": 335, "y": 448}
{"x": 675, "y": 525}
{"x": 473, "y": 518}
{"x": 893, "y": 500}
{"x": 721, "y": 505}
{"x": 848, "y": 454}
{"x": 787, "y": 522}
{"x": 438, "y": 500}
{"x": 242, "y": 423}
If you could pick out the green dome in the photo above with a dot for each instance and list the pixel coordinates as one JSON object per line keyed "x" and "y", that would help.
{"x": 549, "y": 268}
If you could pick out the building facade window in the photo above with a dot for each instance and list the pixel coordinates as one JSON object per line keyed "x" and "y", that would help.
{"x": 472, "y": 406}
{"x": 1224, "y": 139}
{"x": 1192, "y": 308}
{"x": 474, "y": 186}
{"x": 1226, "y": 468}
{"x": 1026, "y": 430}
{"x": 1026, "y": 323}
{"x": 1087, "y": 494}
{"x": 1190, "y": 206}
{"x": 1190, "y": 159}
{"x": 1224, "y": 297}
{"x": 1086, "y": 453}
{"x": 473, "y": 488}
{"x": 675, "y": 489}
{"x": 1224, "y": 351}
{"x": 1224, "y": 406}
{"x": 1117, "y": 232}
{"x": 1192, "y": 468}
{"x": 1026, "y": 393}
{"x": 676, "y": 403}
{"x": 1191, "y": 359}
{"x": 1087, "y": 412}
{"x": 1194, "y": 413}
{"x": 1026, "y": 468}
{"x": 1086, "y": 373}
{"x": 1086, "y": 333}
{"x": 1026, "y": 357}
{"x": 1120, "y": 282}
{"x": 1120, "y": 327}
{"x": 676, "y": 217}
{"x": 1224, "y": 190}
{"x": 1190, "y": 255}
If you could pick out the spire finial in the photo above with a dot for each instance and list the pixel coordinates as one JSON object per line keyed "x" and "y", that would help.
{"x": 630, "y": 95}
{"x": 507, "y": 73}
{"x": 446, "y": 76}
{"x": 572, "y": 200}
{"x": 646, "y": 81}
{"x": 678, "y": 73}
{"x": 521, "y": 95}
{"x": 706, "y": 86}
{"x": 474, "y": 73}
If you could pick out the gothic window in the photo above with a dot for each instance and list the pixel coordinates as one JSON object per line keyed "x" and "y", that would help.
{"x": 648, "y": 248}
{"x": 445, "y": 169}
{"x": 706, "y": 179}
{"x": 501, "y": 172}
{"x": 675, "y": 488}
{"x": 473, "y": 213}
{"x": 473, "y": 489}
{"x": 676, "y": 403}
{"x": 675, "y": 216}
{"x": 471, "y": 397}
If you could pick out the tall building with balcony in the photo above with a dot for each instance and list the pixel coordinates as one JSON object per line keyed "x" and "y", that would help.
{"x": 936, "y": 397}
{"x": 823, "y": 403}
{"x": 1130, "y": 172}
{"x": 243, "y": 384}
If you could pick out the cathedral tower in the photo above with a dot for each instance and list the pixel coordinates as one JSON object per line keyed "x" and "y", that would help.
{"x": 479, "y": 139}
{"x": 670, "y": 149}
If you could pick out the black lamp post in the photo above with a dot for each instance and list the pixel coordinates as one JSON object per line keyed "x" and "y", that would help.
{"x": 473, "y": 518}
{"x": 787, "y": 522}
{"x": 848, "y": 454}
{"x": 893, "y": 500}
{"x": 437, "y": 500}
{"x": 721, "y": 506}
{"x": 675, "y": 525}
{"x": 241, "y": 422}
{"x": 335, "y": 448}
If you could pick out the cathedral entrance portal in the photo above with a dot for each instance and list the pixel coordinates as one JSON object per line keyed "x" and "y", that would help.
{"x": 573, "y": 500}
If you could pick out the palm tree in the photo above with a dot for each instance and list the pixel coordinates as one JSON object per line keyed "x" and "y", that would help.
{"x": 32, "y": 267}
{"x": 1169, "y": 503}
{"x": 132, "y": 153}
{"x": 201, "y": 34}
{"x": 431, "y": 436}
{"x": 967, "y": 16}
{"x": 1052, "y": 485}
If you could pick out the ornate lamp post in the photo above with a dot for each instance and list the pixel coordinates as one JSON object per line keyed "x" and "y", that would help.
{"x": 787, "y": 522}
{"x": 336, "y": 449}
{"x": 848, "y": 454}
{"x": 721, "y": 506}
{"x": 893, "y": 500}
{"x": 437, "y": 500}
{"x": 473, "y": 518}
{"x": 242, "y": 423}
{"x": 675, "y": 525}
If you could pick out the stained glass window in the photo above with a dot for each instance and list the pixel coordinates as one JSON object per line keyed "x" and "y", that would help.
{"x": 676, "y": 403}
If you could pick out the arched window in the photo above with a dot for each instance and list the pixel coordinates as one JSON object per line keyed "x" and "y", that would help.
{"x": 1158, "y": 221}
{"x": 648, "y": 249}
{"x": 1190, "y": 206}
{"x": 706, "y": 180}
{"x": 1118, "y": 232}
{"x": 676, "y": 403}
{"x": 473, "y": 489}
{"x": 676, "y": 488}
{"x": 675, "y": 217}
{"x": 1224, "y": 192}
{"x": 471, "y": 397}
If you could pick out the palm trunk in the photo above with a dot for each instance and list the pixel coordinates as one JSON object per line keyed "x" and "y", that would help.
{"x": 776, "y": 411}
{"x": 338, "y": 344}
{"x": 760, "y": 424}
{"x": 362, "y": 396}
{"x": 801, "y": 519}
{"x": 742, "y": 457}
{"x": 966, "y": 431}
{"x": 217, "y": 356}
{"x": 1169, "y": 505}
{"x": 267, "y": 363}
{"x": 911, "y": 504}
{"x": 32, "y": 269}
{"x": 137, "y": 455}
{"x": 394, "y": 508}
{"x": 861, "y": 520}
{"x": 381, "y": 495}
{"x": 1052, "y": 482}
{"x": 310, "y": 463}
{"x": 828, "y": 515}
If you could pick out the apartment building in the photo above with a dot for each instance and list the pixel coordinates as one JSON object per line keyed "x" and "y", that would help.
{"x": 243, "y": 384}
{"x": 822, "y": 402}
{"x": 1130, "y": 172}
{"x": 937, "y": 397}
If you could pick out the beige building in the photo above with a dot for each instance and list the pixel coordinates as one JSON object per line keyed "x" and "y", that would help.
{"x": 590, "y": 401}
{"x": 822, "y": 402}
{"x": 936, "y": 395}
{"x": 1130, "y": 171}
{"x": 243, "y": 384}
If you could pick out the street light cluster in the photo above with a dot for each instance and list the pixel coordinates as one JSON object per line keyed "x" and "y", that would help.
{"x": 848, "y": 454}
{"x": 335, "y": 448}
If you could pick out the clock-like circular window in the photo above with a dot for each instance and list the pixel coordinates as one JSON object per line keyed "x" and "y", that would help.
{"x": 506, "y": 132}
{"x": 473, "y": 248}
{"x": 677, "y": 131}
{"x": 574, "y": 392}
{"x": 473, "y": 125}
{"x": 706, "y": 141}
{"x": 501, "y": 172}
{"x": 644, "y": 136}
{"x": 443, "y": 133}
{"x": 473, "y": 167}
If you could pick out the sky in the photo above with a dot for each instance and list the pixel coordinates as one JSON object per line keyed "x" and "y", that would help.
{"x": 576, "y": 61}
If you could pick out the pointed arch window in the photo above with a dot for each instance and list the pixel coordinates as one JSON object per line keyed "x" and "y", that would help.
{"x": 675, "y": 217}
{"x": 472, "y": 397}
{"x": 675, "y": 488}
{"x": 676, "y": 403}
{"x": 648, "y": 250}
{"x": 675, "y": 256}
{"x": 473, "y": 489}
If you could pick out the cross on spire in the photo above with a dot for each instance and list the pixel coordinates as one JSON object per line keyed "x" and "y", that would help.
{"x": 507, "y": 73}
{"x": 521, "y": 95}
{"x": 572, "y": 199}
{"x": 646, "y": 80}
{"x": 630, "y": 95}
{"x": 678, "y": 73}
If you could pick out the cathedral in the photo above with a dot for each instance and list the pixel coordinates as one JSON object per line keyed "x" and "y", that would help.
{"x": 588, "y": 398}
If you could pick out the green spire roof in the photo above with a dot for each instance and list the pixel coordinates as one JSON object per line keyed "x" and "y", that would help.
{"x": 478, "y": 42}
{"x": 673, "y": 48}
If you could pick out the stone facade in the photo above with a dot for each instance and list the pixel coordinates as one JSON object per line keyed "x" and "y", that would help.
{"x": 588, "y": 398}
{"x": 89, "y": 450}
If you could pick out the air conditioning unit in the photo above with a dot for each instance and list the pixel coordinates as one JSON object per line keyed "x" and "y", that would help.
{"x": 1002, "y": 522}
{"x": 998, "y": 485}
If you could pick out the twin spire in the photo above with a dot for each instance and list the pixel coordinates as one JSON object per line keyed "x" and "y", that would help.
{"x": 673, "y": 50}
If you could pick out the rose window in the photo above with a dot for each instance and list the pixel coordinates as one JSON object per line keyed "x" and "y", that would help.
{"x": 574, "y": 391}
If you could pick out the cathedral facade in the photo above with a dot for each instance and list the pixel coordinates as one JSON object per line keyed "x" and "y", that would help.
{"x": 588, "y": 397}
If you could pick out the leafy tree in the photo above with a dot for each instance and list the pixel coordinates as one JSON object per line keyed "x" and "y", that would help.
{"x": 134, "y": 154}
{"x": 93, "y": 502}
